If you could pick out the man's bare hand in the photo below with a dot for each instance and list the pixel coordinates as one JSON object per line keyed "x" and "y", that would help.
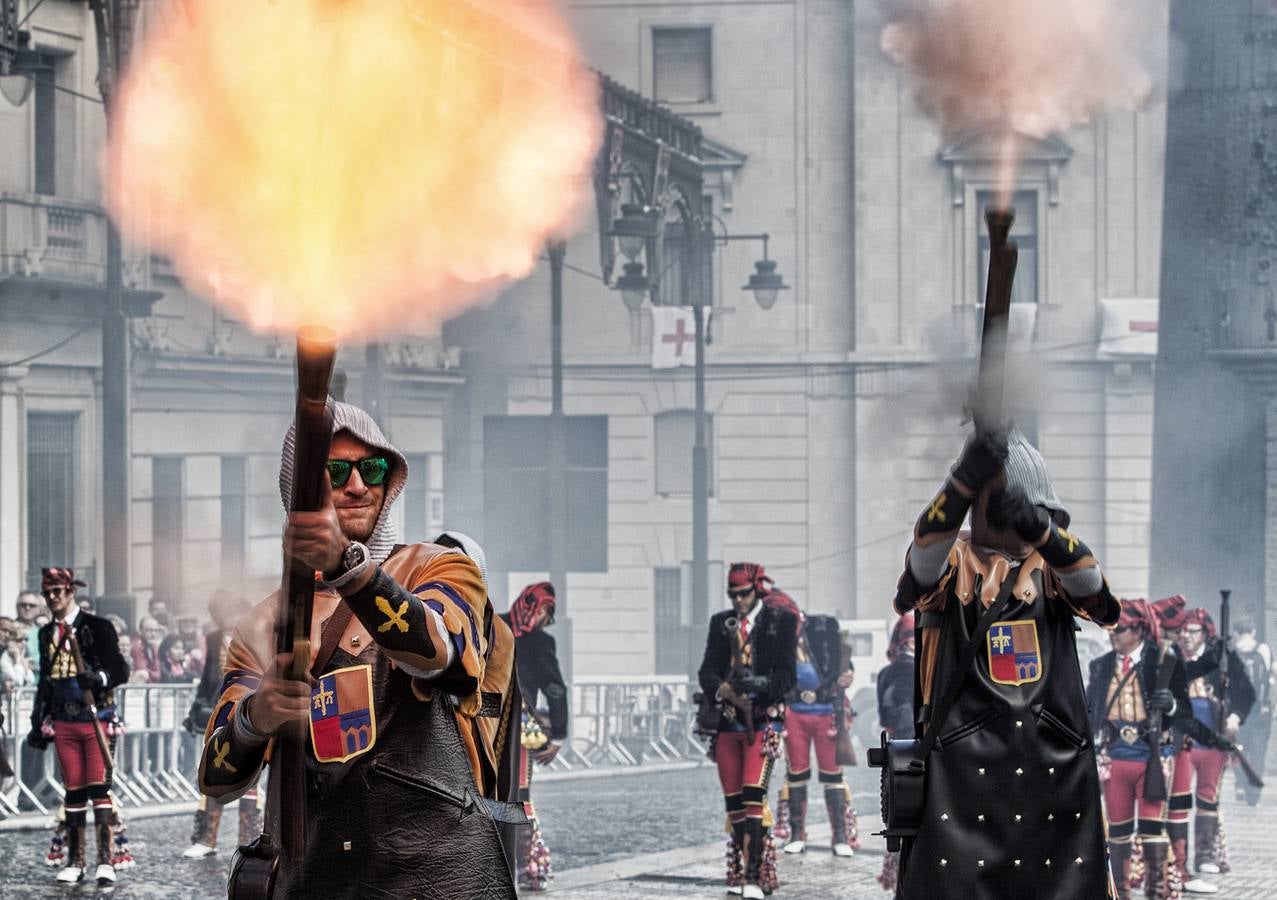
{"x": 546, "y": 754}
{"x": 316, "y": 538}
{"x": 844, "y": 680}
{"x": 279, "y": 702}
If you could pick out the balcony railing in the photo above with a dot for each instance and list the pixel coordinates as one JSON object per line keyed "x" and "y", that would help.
{"x": 43, "y": 237}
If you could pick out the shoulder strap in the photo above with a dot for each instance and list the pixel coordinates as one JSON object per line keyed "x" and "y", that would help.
{"x": 1120, "y": 686}
{"x": 941, "y": 710}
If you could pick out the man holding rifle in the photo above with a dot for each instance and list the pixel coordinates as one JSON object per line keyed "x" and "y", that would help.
{"x": 1011, "y": 801}
{"x": 748, "y": 668}
{"x": 1220, "y": 704}
{"x": 398, "y": 772}
{"x": 1130, "y": 686}
{"x": 80, "y": 665}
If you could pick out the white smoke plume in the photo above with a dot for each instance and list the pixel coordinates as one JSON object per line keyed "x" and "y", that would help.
{"x": 1035, "y": 67}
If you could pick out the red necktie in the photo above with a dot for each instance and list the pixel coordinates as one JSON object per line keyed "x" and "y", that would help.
{"x": 1126, "y": 665}
{"x": 744, "y": 631}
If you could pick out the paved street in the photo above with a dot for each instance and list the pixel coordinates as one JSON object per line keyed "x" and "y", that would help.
{"x": 649, "y": 835}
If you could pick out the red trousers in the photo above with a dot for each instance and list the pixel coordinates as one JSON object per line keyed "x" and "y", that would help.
{"x": 801, "y": 731}
{"x": 743, "y": 771}
{"x": 1124, "y": 796}
{"x": 1207, "y": 765}
{"x": 79, "y": 756}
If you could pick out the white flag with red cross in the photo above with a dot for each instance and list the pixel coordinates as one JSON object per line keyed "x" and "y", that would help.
{"x": 674, "y": 336}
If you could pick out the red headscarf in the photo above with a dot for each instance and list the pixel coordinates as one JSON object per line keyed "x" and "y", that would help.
{"x": 1170, "y": 611}
{"x": 778, "y": 599}
{"x": 528, "y": 605}
{"x": 903, "y": 631}
{"x": 1199, "y": 616}
{"x": 744, "y": 574}
{"x": 55, "y": 577}
{"x": 1140, "y": 614}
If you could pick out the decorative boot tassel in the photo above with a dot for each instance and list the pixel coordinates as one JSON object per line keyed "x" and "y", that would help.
{"x": 57, "y": 846}
{"x": 1221, "y": 845}
{"x": 782, "y": 827}
{"x": 735, "y": 855}
{"x": 768, "y": 875}
{"x": 890, "y": 870}
{"x": 536, "y": 864}
{"x": 121, "y": 857}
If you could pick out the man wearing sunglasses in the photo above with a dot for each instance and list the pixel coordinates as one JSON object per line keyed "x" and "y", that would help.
{"x": 80, "y": 666}
{"x": 750, "y": 663}
{"x": 395, "y": 758}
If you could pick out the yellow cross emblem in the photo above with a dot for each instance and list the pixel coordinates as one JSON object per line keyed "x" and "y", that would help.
{"x": 1070, "y": 539}
{"x": 936, "y": 511}
{"x": 220, "y": 761}
{"x": 394, "y": 619}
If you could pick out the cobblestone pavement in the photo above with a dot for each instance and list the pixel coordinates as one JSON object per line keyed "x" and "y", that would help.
{"x": 648, "y": 835}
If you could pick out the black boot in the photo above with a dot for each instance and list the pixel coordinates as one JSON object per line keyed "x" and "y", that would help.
{"x": 1156, "y": 872}
{"x": 1205, "y": 835}
{"x": 73, "y": 871}
{"x": 836, "y": 806}
{"x": 1120, "y": 861}
{"x": 753, "y": 853}
{"x": 105, "y": 872}
{"x": 797, "y": 805}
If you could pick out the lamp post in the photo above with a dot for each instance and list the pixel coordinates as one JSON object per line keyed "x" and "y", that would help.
{"x": 765, "y": 284}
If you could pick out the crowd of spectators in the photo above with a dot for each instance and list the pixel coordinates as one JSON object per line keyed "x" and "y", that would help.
{"x": 163, "y": 649}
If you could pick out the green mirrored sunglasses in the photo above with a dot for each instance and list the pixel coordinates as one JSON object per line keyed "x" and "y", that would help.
{"x": 372, "y": 471}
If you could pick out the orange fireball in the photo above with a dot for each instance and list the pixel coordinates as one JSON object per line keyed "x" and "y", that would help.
{"x": 368, "y": 166}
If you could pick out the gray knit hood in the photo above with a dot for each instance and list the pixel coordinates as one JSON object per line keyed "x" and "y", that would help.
{"x": 347, "y": 417}
{"x": 471, "y": 548}
{"x": 1026, "y": 470}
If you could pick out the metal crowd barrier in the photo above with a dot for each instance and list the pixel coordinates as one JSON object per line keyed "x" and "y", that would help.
{"x": 155, "y": 758}
{"x": 617, "y": 720}
{"x": 628, "y": 720}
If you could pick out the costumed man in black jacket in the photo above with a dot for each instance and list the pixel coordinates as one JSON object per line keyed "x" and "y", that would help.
{"x": 1218, "y": 713}
{"x": 536, "y": 659}
{"x": 749, "y": 667}
{"x": 895, "y": 712}
{"x": 80, "y": 665}
{"x": 813, "y": 717}
{"x": 1122, "y": 692}
{"x": 225, "y": 610}
{"x": 1012, "y": 798}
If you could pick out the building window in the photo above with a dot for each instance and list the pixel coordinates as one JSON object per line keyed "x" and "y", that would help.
{"x": 1025, "y": 232}
{"x": 234, "y": 516}
{"x": 51, "y": 448}
{"x": 681, "y": 65}
{"x": 668, "y": 628}
{"x": 49, "y": 112}
{"x": 416, "y": 514}
{"x": 166, "y": 529}
{"x": 675, "y": 432}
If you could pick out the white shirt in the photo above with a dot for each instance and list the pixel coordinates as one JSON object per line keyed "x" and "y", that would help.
{"x": 1135, "y": 656}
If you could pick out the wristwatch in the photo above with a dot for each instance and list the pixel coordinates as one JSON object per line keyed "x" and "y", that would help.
{"x": 355, "y": 560}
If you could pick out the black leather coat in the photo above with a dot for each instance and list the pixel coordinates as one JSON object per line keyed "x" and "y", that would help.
{"x": 774, "y": 641}
{"x": 405, "y": 819}
{"x": 1013, "y": 796}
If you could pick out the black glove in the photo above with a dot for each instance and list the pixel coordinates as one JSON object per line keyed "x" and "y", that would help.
{"x": 751, "y": 684}
{"x": 36, "y": 738}
{"x": 1010, "y": 510}
{"x": 89, "y": 681}
{"x": 981, "y": 460}
{"x": 1163, "y": 701}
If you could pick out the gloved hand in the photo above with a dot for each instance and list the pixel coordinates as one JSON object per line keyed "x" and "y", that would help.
{"x": 981, "y": 460}
{"x": 1010, "y": 510}
{"x": 89, "y": 680}
{"x": 1162, "y": 701}
{"x": 751, "y": 684}
{"x": 189, "y": 724}
{"x": 36, "y": 739}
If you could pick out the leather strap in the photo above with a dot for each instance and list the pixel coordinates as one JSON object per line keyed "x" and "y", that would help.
{"x": 330, "y": 640}
{"x": 941, "y": 709}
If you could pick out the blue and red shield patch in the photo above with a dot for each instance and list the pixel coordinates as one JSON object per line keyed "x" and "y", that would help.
{"x": 343, "y": 723}
{"x": 1014, "y": 655}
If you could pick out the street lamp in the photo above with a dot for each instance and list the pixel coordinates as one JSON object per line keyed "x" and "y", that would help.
{"x": 766, "y": 284}
{"x": 633, "y": 229}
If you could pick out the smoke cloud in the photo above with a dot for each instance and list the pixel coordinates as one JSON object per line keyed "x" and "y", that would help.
{"x": 372, "y": 167}
{"x": 1035, "y": 67}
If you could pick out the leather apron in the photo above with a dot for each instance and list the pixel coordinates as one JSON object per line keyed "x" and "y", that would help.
{"x": 405, "y": 818}
{"x": 1013, "y": 796}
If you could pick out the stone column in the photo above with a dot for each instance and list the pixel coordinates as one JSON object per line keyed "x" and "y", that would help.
{"x": 12, "y": 485}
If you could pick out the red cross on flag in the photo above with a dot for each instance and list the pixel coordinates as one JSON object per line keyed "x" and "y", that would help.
{"x": 674, "y": 336}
